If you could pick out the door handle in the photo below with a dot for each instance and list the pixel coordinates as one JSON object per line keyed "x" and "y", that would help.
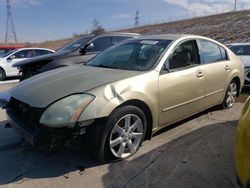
{"x": 200, "y": 74}
{"x": 227, "y": 67}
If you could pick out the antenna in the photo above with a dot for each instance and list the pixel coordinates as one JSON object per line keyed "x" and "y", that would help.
{"x": 137, "y": 18}
{"x": 10, "y": 28}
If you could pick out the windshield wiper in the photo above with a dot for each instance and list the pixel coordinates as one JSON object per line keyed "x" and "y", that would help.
{"x": 102, "y": 66}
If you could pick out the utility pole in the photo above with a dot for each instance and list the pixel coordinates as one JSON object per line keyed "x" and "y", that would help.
{"x": 137, "y": 18}
{"x": 10, "y": 28}
{"x": 235, "y": 5}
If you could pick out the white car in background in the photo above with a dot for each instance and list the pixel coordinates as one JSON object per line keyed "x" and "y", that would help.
{"x": 243, "y": 51}
{"x": 8, "y": 59}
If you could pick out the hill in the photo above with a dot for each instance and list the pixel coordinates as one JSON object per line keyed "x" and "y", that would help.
{"x": 226, "y": 28}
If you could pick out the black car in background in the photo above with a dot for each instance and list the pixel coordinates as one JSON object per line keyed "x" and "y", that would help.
{"x": 79, "y": 51}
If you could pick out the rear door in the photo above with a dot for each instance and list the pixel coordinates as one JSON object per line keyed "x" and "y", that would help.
{"x": 181, "y": 85}
{"x": 217, "y": 67}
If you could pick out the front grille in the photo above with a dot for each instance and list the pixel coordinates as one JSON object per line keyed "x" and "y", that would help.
{"x": 25, "y": 113}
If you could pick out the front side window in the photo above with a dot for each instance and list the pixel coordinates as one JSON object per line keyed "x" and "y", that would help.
{"x": 74, "y": 45}
{"x": 23, "y": 54}
{"x": 139, "y": 55}
{"x": 241, "y": 49}
{"x": 210, "y": 52}
{"x": 101, "y": 44}
{"x": 184, "y": 56}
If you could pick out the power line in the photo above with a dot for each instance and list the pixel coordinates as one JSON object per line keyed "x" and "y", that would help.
{"x": 10, "y": 28}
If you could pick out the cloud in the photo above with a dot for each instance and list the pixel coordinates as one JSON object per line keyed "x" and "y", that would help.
{"x": 26, "y": 2}
{"x": 122, "y": 16}
{"x": 199, "y": 7}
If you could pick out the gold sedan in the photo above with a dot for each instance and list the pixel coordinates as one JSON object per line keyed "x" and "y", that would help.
{"x": 242, "y": 150}
{"x": 127, "y": 93}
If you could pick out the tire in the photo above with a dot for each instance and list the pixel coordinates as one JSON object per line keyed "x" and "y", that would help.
{"x": 2, "y": 74}
{"x": 122, "y": 135}
{"x": 230, "y": 96}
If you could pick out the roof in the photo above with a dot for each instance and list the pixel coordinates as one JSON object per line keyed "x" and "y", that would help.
{"x": 110, "y": 34}
{"x": 35, "y": 48}
{"x": 166, "y": 36}
{"x": 238, "y": 44}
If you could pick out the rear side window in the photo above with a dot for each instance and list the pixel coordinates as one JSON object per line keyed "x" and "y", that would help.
{"x": 223, "y": 54}
{"x": 101, "y": 44}
{"x": 241, "y": 50}
{"x": 42, "y": 52}
{"x": 211, "y": 52}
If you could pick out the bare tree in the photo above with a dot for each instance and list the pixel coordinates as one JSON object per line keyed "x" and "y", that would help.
{"x": 97, "y": 28}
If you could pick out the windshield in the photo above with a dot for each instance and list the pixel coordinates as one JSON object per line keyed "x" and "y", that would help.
{"x": 139, "y": 55}
{"x": 7, "y": 54}
{"x": 241, "y": 49}
{"x": 74, "y": 45}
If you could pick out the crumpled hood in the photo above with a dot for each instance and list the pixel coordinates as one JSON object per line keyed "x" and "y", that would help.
{"x": 29, "y": 61}
{"x": 43, "y": 89}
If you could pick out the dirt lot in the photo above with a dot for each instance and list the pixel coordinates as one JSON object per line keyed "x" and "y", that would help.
{"x": 197, "y": 152}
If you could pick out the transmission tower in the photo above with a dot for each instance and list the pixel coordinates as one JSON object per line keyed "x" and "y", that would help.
{"x": 10, "y": 28}
{"x": 137, "y": 18}
{"x": 235, "y": 5}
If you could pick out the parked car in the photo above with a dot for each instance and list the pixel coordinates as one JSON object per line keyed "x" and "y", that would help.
{"x": 79, "y": 51}
{"x": 242, "y": 151}
{"x": 127, "y": 93}
{"x": 243, "y": 51}
{"x": 5, "y": 49}
{"x": 8, "y": 59}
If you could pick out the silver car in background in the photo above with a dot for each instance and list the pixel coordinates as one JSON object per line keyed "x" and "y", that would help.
{"x": 243, "y": 51}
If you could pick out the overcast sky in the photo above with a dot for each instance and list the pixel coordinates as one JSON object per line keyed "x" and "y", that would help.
{"x": 39, "y": 20}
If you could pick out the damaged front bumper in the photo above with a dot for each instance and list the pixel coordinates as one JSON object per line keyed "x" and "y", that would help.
{"x": 30, "y": 135}
{"x": 25, "y": 120}
{"x": 38, "y": 134}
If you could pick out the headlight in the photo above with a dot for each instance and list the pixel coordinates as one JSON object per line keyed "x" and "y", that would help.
{"x": 65, "y": 112}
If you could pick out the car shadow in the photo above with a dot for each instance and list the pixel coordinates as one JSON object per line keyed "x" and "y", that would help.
{"x": 196, "y": 157}
{"x": 203, "y": 158}
{"x": 19, "y": 162}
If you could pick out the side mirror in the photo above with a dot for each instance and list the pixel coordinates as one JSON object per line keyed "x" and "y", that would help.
{"x": 86, "y": 48}
{"x": 11, "y": 57}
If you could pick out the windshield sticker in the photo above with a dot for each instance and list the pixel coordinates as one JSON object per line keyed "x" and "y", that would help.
{"x": 152, "y": 42}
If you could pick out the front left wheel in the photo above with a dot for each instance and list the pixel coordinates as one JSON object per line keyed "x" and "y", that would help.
{"x": 123, "y": 134}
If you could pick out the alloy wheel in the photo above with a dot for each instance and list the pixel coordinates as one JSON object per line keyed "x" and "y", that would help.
{"x": 231, "y": 94}
{"x": 126, "y": 136}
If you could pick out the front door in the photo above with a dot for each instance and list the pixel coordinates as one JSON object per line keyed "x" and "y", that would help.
{"x": 181, "y": 84}
{"x": 14, "y": 58}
